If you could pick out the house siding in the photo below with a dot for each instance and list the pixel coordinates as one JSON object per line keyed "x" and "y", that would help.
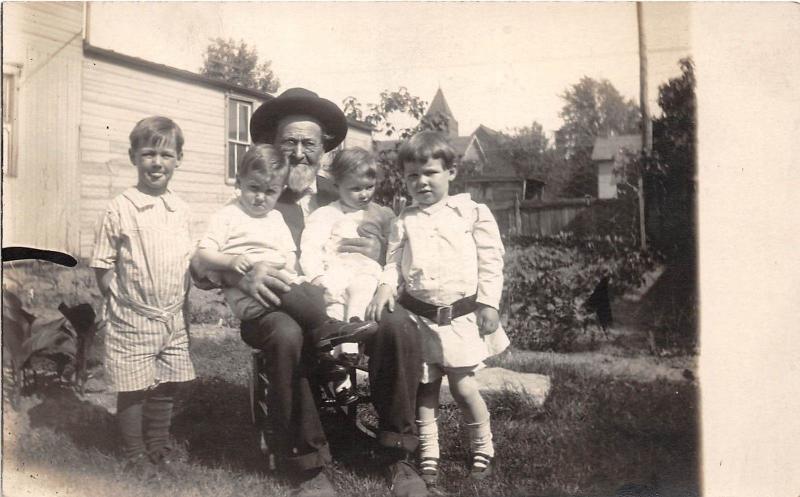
{"x": 42, "y": 41}
{"x": 115, "y": 97}
{"x": 606, "y": 181}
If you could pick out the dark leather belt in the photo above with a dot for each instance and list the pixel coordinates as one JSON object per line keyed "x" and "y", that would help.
{"x": 439, "y": 314}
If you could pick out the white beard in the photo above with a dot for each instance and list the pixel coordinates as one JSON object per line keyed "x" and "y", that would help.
{"x": 301, "y": 176}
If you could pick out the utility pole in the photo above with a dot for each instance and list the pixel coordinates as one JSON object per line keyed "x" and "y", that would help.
{"x": 647, "y": 124}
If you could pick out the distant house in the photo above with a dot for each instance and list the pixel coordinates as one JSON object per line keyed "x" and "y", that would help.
{"x": 483, "y": 170}
{"x": 606, "y": 156}
{"x": 68, "y": 108}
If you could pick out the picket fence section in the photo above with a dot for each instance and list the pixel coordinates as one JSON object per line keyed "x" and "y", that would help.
{"x": 532, "y": 218}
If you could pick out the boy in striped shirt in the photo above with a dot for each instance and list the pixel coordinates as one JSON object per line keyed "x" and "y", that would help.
{"x": 141, "y": 262}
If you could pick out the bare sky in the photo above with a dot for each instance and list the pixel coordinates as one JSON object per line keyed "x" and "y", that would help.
{"x": 499, "y": 64}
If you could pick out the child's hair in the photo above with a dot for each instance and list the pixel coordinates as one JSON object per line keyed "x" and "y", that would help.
{"x": 426, "y": 145}
{"x": 263, "y": 159}
{"x": 155, "y": 131}
{"x": 353, "y": 160}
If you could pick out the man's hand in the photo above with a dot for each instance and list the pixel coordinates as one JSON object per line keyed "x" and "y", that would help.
{"x": 383, "y": 296}
{"x": 241, "y": 263}
{"x": 263, "y": 282}
{"x": 366, "y": 245}
{"x": 488, "y": 319}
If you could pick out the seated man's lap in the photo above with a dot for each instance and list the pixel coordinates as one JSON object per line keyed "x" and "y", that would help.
{"x": 273, "y": 332}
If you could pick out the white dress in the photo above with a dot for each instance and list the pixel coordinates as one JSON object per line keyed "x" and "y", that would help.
{"x": 440, "y": 254}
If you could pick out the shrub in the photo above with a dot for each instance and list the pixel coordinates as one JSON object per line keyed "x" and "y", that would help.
{"x": 549, "y": 279}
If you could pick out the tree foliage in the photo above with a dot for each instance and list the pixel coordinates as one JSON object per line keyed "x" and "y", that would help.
{"x": 526, "y": 150}
{"x": 237, "y": 63}
{"x": 670, "y": 200}
{"x": 669, "y": 172}
{"x": 386, "y": 117}
{"x": 591, "y": 109}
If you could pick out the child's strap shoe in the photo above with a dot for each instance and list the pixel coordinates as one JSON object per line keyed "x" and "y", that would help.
{"x": 429, "y": 470}
{"x": 481, "y": 466}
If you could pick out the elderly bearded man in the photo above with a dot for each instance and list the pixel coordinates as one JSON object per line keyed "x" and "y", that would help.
{"x": 304, "y": 126}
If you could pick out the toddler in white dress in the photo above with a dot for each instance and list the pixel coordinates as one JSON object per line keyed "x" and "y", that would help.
{"x": 349, "y": 279}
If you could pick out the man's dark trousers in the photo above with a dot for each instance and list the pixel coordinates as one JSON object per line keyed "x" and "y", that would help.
{"x": 394, "y": 372}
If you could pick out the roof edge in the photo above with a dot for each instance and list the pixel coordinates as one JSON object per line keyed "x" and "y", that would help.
{"x": 169, "y": 71}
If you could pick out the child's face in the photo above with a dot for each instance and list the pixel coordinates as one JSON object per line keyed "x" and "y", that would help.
{"x": 428, "y": 182}
{"x": 356, "y": 190}
{"x": 155, "y": 165}
{"x": 259, "y": 192}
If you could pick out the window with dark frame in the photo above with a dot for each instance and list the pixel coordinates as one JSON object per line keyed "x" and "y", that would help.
{"x": 238, "y": 138}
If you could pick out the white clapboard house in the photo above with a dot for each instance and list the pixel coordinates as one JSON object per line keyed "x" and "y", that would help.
{"x": 68, "y": 108}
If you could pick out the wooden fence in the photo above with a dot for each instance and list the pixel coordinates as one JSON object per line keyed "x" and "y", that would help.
{"x": 531, "y": 218}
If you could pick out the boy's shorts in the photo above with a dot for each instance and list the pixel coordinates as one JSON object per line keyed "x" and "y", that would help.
{"x": 142, "y": 354}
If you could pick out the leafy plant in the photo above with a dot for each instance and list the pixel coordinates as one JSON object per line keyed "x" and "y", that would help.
{"x": 548, "y": 281}
{"x": 65, "y": 340}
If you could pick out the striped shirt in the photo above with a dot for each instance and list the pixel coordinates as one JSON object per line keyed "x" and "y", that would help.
{"x": 145, "y": 240}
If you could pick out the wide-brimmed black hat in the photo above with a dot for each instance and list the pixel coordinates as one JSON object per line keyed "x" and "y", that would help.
{"x": 298, "y": 101}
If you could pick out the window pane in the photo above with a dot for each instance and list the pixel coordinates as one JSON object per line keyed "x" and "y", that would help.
{"x": 233, "y": 119}
{"x": 244, "y": 121}
{"x": 231, "y": 162}
{"x": 7, "y": 87}
{"x": 240, "y": 151}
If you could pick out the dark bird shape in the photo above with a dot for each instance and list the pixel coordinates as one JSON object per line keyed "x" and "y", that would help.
{"x": 600, "y": 303}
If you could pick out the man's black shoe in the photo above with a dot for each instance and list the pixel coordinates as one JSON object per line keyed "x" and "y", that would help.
{"x": 334, "y": 333}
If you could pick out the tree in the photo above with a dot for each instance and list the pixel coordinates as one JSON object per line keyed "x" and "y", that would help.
{"x": 671, "y": 179}
{"x": 238, "y": 64}
{"x": 385, "y": 117}
{"x": 592, "y": 108}
{"x": 526, "y": 150}
{"x": 670, "y": 199}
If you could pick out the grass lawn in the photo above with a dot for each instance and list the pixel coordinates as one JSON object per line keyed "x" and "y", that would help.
{"x": 599, "y": 430}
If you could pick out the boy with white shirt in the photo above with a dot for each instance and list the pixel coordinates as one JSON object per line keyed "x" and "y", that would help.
{"x": 446, "y": 255}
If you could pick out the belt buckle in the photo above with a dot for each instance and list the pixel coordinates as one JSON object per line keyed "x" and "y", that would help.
{"x": 444, "y": 315}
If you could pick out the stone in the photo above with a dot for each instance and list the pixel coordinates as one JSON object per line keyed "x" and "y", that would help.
{"x": 536, "y": 386}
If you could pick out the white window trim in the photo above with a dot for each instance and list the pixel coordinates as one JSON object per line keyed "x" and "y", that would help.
{"x": 253, "y": 104}
{"x": 10, "y": 167}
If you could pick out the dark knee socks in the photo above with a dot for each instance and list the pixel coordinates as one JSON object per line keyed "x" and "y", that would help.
{"x": 157, "y": 417}
{"x": 144, "y": 418}
{"x": 129, "y": 417}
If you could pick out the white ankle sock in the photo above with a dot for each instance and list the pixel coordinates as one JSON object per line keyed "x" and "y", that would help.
{"x": 428, "y": 438}
{"x": 480, "y": 437}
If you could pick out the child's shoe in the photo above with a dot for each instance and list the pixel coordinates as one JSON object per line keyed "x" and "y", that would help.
{"x": 429, "y": 470}
{"x": 140, "y": 466}
{"x": 165, "y": 463}
{"x": 480, "y": 466}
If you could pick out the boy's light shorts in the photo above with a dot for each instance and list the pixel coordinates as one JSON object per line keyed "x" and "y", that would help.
{"x": 143, "y": 354}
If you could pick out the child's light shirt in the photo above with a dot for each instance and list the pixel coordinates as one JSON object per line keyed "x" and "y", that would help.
{"x": 328, "y": 226}
{"x": 145, "y": 240}
{"x": 232, "y": 231}
{"x": 443, "y": 253}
